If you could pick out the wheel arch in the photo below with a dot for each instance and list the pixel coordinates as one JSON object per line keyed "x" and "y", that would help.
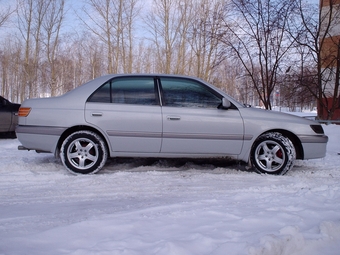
{"x": 73, "y": 129}
{"x": 291, "y": 136}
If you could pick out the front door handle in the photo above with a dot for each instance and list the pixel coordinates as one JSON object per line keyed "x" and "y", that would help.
{"x": 173, "y": 117}
{"x": 97, "y": 114}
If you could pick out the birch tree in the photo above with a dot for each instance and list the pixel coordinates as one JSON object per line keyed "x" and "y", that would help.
{"x": 31, "y": 14}
{"x": 204, "y": 36}
{"x": 51, "y": 25}
{"x": 163, "y": 24}
{"x": 112, "y": 21}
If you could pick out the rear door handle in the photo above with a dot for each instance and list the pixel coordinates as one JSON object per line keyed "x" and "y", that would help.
{"x": 97, "y": 114}
{"x": 173, "y": 117}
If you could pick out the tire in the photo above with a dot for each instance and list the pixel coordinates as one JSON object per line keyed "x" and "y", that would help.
{"x": 83, "y": 152}
{"x": 273, "y": 153}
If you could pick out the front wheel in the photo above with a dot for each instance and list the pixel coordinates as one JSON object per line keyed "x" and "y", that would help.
{"x": 83, "y": 152}
{"x": 273, "y": 153}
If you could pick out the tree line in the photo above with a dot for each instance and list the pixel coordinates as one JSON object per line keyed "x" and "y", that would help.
{"x": 262, "y": 52}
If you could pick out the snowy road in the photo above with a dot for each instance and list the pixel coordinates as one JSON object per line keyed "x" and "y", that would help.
{"x": 168, "y": 207}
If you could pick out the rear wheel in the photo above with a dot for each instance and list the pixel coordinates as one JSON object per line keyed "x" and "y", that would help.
{"x": 273, "y": 153}
{"x": 83, "y": 152}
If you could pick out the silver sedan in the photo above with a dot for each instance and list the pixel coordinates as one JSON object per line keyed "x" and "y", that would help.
{"x": 165, "y": 116}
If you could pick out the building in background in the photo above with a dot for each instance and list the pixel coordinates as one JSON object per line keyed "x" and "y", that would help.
{"x": 330, "y": 57}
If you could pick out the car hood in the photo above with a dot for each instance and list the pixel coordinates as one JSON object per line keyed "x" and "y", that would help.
{"x": 269, "y": 115}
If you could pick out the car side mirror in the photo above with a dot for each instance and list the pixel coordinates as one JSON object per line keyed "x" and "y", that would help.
{"x": 225, "y": 103}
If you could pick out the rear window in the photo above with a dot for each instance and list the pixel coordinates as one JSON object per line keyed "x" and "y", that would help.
{"x": 127, "y": 90}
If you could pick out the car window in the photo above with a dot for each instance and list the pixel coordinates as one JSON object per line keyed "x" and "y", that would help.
{"x": 134, "y": 90}
{"x": 102, "y": 95}
{"x": 127, "y": 90}
{"x": 178, "y": 92}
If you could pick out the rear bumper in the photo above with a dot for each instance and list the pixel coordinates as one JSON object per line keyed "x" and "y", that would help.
{"x": 41, "y": 139}
{"x": 40, "y": 130}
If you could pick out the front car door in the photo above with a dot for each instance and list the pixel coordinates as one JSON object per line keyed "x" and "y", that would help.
{"x": 127, "y": 110}
{"x": 193, "y": 122}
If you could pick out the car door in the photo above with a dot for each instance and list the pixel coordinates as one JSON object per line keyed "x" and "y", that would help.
{"x": 5, "y": 115}
{"x": 127, "y": 109}
{"x": 193, "y": 123}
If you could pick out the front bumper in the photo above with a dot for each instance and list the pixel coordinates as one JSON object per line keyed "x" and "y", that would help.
{"x": 314, "y": 146}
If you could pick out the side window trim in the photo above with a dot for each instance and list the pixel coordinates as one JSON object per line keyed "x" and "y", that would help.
{"x": 159, "y": 90}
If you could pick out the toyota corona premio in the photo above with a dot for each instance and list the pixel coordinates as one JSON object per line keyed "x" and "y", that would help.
{"x": 163, "y": 116}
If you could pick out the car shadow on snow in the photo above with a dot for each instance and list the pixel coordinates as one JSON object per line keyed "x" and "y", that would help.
{"x": 165, "y": 164}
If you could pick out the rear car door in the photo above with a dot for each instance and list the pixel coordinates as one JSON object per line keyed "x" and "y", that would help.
{"x": 193, "y": 121}
{"x": 127, "y": 110}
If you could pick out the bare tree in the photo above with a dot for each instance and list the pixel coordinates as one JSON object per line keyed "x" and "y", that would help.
{"x": 5, "y": 13}
{"x": 145, "y": 58}
{"x": 204, "y": 36}
{"x": 83, "y": 58}
{"x": 318, "y": 34}
{"x": 51, "y": 26}
{"x": 31, "y": 14}
{"x": 183, "y": 58}
{"x": 182, "y": 33}
{"x": 164, "y": 24}
{"x": 255, "y": 31}
{"x": 240, "y": 46}
{"x": 132, "y": 10}
{"x": 99, "y": 23}
{"x": 112, "y": 21}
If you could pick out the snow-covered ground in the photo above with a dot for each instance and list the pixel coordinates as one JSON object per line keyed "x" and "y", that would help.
{"x": 168, "y": 207}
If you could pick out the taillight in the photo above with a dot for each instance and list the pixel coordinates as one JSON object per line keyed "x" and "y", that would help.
{"x": 24, "y": 111}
